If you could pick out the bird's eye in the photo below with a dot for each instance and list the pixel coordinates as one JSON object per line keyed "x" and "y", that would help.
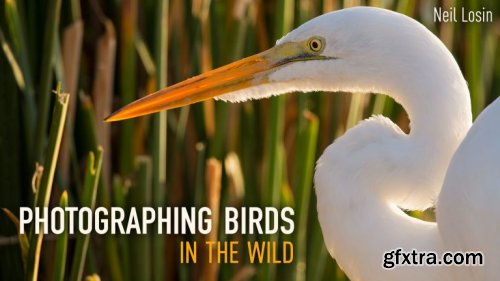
{"x": 315, "y": 44}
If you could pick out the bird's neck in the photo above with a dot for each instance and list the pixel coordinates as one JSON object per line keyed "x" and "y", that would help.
{"x": 437, "y": 102}
{"x": 359, "y": 238}
{"x": 440, "y": 117}
{"x": 444, "y": 117}
{"x": 373, "y": 169}
{"x": 360, "y": 223}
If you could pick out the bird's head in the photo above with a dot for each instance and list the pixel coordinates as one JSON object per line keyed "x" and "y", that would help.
{"x": 347, "y": 50}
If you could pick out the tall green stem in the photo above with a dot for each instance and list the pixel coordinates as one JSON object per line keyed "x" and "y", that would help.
{"x": 43, "y": 193}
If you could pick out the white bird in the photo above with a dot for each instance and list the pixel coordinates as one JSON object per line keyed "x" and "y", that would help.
{"x": 366, "y": 177}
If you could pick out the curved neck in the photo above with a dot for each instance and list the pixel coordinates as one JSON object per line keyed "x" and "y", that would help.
{"x": 373, "y": 168}
{"x": 439, "y": 112}
{"x": 359, "y": 238}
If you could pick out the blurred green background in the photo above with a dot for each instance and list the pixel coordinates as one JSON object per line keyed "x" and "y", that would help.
{"x": 106, "y": 54}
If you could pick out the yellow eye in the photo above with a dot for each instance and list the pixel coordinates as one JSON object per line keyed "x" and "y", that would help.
{"x": 315, "y": 44}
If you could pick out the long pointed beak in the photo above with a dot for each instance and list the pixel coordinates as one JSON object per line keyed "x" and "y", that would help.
{"x": 241, "y": 74}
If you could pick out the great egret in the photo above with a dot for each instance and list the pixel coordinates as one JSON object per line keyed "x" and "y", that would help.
{"x": 368, "y": 175}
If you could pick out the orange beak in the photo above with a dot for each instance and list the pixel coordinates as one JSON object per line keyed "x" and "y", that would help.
{"x": 238, "y": 75}
{"x": 242, "y": 74}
